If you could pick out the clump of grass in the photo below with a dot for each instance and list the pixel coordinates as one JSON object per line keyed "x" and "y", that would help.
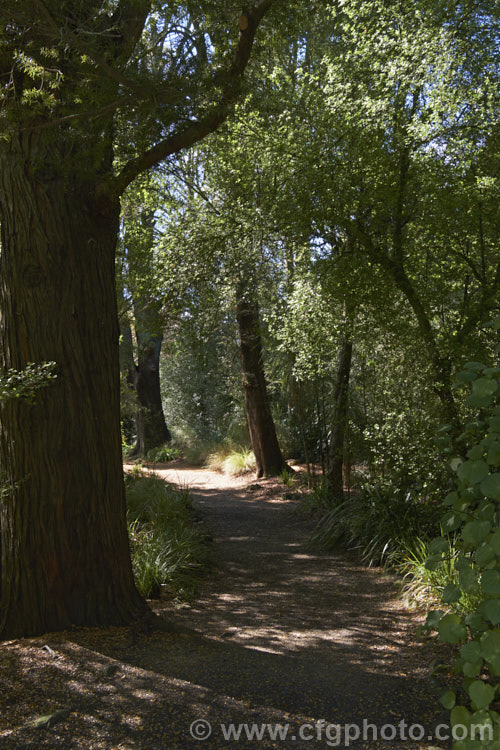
{"x": 169, "y": 546}
{"x": 163, "y": 454}
{"x": 421, "y": 587}
{"x": 286, "y": 477}
{"x": 376, "y": 523}
{"x": 233, "y": 460}
{"x": 239, "y": 461}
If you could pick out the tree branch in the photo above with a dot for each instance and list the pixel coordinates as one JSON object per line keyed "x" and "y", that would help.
{"x": 197, "y": 130}
{"x": 129, "y": 17}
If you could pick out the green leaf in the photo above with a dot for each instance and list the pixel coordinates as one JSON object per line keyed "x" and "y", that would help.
{"x": 476, "y": 623}
{"x": 472, "y": 472}
{"x": 451, "y": 521}
{"x": 474, "y": 366}
{"x": 468, "y": 579}
{"x": 451, "y": 593}
{"x": 460, "y": 715}
{"x": 481, "y": 694}
{"x": 491, "y": 486}
{"x": 475, "y": 426}
{"x": 484, "y": 554}
{"x": 495, "y": 542}
{"x": 462, "y": 561}
{"x": 433, "y": 618}
{"x": 451, "y": 629}
{"x": 433, "y": 562}
{"x": 472, "y": 668}
{"x": 490, "y": 582}
{"x": 490, "y": 647}
{"x": 475, "y": 531}
{"x": 495, "y": 424}
{"x": 493, "y": 457}
{"x": 471, "y": 651}
{"x": 484, "y": 387}
{"x": 491, "y": 609}
{"x": 438, "y": 545}
{"x": 486, "y": 511}
{"x": 465, "y": 377}
{"x": 479, "y": 402}
{"x": 448, "y": 699}
{"x": 475, "y": 453}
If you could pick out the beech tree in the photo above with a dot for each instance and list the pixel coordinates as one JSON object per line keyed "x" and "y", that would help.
{"x": 76, "y": 79}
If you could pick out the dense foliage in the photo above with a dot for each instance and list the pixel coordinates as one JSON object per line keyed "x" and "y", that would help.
{"x": 472, "y": 517}
{"x": 356, "y": 190}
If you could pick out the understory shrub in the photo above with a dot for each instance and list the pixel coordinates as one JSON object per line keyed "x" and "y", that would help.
{"x": 473, "y": 516}
{"x": 163, "y": 454}
{"x": 189, "y": 446}
{"x": 377, "y": 522}
{"x": 169, "y": 546}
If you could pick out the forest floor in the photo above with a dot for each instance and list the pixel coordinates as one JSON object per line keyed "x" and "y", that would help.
{"x": 279, "y": 635}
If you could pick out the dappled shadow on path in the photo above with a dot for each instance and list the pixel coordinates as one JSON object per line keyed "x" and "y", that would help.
{"x": 279, "y": 635}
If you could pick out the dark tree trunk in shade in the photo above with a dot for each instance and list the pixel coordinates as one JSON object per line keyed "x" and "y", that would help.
{"x": 152, "y": 430}
{"x": 340, "y": 417}
{"x": 64, "y": 543}
{"x": 260, "y": 421}
{"x": 144, "y": 379}
{"x": 65, "y": 547}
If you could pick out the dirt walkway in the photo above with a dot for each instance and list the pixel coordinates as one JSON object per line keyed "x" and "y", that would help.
{"x": 279, "y": 635}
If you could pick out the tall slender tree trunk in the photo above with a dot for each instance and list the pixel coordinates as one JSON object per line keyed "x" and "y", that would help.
{"x": 152, "y": 430}
{"x": 260, "y": 420}
{"x": 340, "y": 417}
{"x": 65, "y": 548}
{"x": 144, "y": 379}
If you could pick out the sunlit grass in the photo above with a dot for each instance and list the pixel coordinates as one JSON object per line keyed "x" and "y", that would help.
{"x": 231, "y": 460}
{"x": 423, "y": 588}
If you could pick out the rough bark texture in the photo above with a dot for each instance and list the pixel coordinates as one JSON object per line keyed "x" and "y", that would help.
{"x": 152, "y": 430}
{"x": 144, "y": 378}
{"x": 340, "y": 417}
{"x": 65, "y": 549}
{"x": 260, "y": 421}
{"x": 65, "y": 552}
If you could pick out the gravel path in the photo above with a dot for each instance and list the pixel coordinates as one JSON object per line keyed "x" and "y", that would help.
{"x": 310, "y": 634}
{"x": 279, "y": 636}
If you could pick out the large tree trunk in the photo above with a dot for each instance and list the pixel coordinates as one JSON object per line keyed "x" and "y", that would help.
{"x": 260, "y": 420}
{"x": 152, "y": 430}
{"x": 65, "y": 548}
{"x": 340, "y": 417}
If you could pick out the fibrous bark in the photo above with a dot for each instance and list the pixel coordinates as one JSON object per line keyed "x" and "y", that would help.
{"x": 260, "y": 420}
{"x": 64, "y": 543}
{"x": 152, "y": 430}
{"x": 65, "y": 549}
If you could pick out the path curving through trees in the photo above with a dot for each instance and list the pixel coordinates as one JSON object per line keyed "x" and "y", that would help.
{"x": 314, "y": 635}
{"x": 280, "y": 639}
